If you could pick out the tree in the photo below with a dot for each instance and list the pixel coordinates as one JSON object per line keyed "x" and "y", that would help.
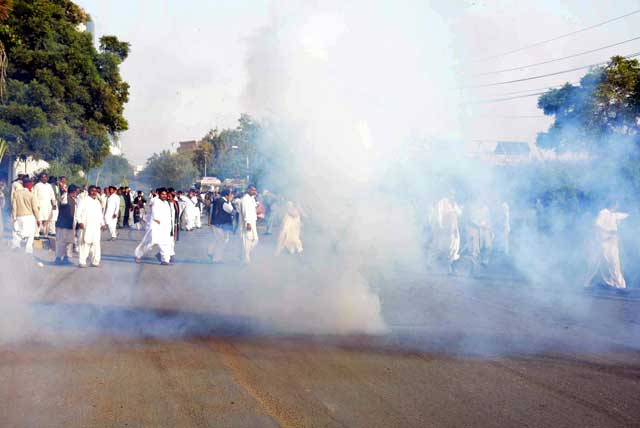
{"x": 115, "y": 170}
{"x": 64, "y": 99}
{"x": 169, "y": 170}
{"x": 202, "y": 156}
{"x": 234, "y": 152}
{"x": 602, "y": 110}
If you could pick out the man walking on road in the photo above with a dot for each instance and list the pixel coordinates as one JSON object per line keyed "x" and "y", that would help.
{"x": 24, "y": 208}
{"x": 111, "y": 212}
{"x": 248, "y": 222}
{"x": 222, "y": 225}
{"x": 65, "y": 227}
{"x": 90, "y": 223}
{"x": 46, "y": 197}
{"x": 159, "y": 230}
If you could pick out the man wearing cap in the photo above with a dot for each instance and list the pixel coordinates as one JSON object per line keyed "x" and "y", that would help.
{"x": 25, "y": 215}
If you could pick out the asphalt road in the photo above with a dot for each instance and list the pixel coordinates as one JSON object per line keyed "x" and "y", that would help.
{"x": 128, "y": 345}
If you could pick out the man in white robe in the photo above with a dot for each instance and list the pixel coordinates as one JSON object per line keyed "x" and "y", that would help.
{"x": 111, "y": 212}
{"x": 159, "y": 230}
{"x": 479, "y": 242}
{"x": 90, "y": 222}
{"x": 606, "y": 256}
{"x": 447, "y": 229}
{"x": 196, "y": 210}
{"x": 248, "y": 222}
{"x": 46, "y": 197}
{"x": 505, "y": 228}
{"x": 289, "y": 237}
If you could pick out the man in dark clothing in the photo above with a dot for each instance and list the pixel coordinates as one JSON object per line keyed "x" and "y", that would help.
{"x": 138, "y": 207}
{"x": 65, "y": 227}
{"x": 221, "y": 224}
{"x": 128, "y": 206}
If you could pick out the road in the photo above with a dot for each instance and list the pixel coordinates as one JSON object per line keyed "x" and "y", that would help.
{"x": 128, "y": 345}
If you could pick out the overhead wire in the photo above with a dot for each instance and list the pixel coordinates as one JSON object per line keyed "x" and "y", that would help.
{"x": 525, "y": 79}
{"x": 562, "y": 36}
{"x": 557, "y": 59}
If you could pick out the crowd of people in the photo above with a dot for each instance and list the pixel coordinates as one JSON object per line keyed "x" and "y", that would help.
{"x": 75, "y": 218}
{"x": 479, "y": 231}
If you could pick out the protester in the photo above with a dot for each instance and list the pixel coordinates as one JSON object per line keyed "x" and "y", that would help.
{"x": 121, "y": 207}
{"x": 222, "y": 226}
{"x": 25, "y": 214}
{"x": 248, "y": 222}
{"x": 46, "y": 198}
{"x": 138, "y": 210}
{"x": 159, "y": 231}
{"x": 65, "y": 227}
{"x": 90, "y": 223}
{"x": 111, "y": 212}
{"x": 606, "y": 258}
{"x": 447, "y": 231}
{"x": 53, "y": 182}
{"x": 128, "y": 206}
{"x": 289, "y": 237}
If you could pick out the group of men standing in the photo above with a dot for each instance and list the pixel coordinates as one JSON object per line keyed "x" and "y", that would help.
{"x": 474, "y": 230}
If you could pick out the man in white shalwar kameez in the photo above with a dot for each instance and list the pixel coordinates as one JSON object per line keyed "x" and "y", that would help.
{"x": 606, "y": 257}
{"x": 46, "y": 197}
{"x": 90, "y": 222}
{"x": 248, "y": 222}
{"x": 479, "y": 235}
{"x": 197, "y": 212}
{"x": 289, "y": 237}
{"x": 159, "y": 230}
{"x": 111, "y": 212}
{"x": 447, "y": 231}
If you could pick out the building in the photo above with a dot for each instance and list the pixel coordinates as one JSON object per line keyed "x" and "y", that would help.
{"x": 503, "y": 152}
{"x": 187, "y": 146}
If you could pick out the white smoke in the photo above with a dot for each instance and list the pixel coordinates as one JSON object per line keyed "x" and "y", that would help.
{"x": 348, "y": 85}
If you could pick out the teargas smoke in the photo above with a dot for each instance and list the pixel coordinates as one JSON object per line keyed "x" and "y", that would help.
{"x": 344, "y": 98}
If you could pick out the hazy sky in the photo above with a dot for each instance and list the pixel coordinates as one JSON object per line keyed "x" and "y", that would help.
{"x": 187, "y": 63}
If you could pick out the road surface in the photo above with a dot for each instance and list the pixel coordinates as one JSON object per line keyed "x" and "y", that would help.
{"x": 128, "y": 345}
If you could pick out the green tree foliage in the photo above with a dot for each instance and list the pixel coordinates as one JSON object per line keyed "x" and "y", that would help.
{"x": 202, "y": 155}
{"x": 64, "y": 99}
{"x": 599, "y": 117}
{"x": 115, "y": 170}
{"x": 166, "y": 169}
{"x": 234, "y": 152}
{"x": 603, "y": 109}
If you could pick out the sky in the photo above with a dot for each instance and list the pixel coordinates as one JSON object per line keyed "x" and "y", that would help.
{"x": 187, "y": 66}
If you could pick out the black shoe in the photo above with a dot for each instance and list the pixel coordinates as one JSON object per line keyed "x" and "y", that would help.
{"x": 59, "y": 262}
{"x": 159, "y": 257}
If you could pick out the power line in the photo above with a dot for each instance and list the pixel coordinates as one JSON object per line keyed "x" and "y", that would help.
{"x": 533, "y": 45}
{"x": 545, "y": 88}
{"x": 557, "y": 59}
{"x": 496, "y": 100}
{"x": 545, "y": 75}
